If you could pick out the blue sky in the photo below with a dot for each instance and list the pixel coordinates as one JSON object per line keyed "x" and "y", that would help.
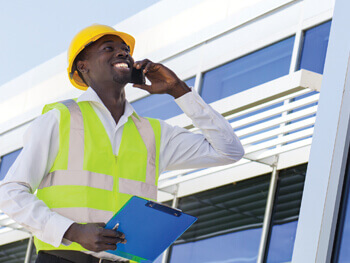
{"x": 34, "y": 31}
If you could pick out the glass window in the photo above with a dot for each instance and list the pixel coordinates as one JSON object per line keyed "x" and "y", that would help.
{"x": 341, "y": 252}
{"x": 161, "y": 106}
{"x": 7, "y": 161}
{"x": 249, "y": 71}
{"x": 312, "y": 58}
{"x": 285, "y": 214}
{"x": 229, "y": 223}
{"x": 315, "y": 46}
{"x": 15, "y": 252}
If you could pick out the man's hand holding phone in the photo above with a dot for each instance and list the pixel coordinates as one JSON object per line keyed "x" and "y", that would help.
{"x": 163, "y": 80}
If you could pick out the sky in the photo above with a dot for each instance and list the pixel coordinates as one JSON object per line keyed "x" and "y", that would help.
{"x": 32, "y": 32}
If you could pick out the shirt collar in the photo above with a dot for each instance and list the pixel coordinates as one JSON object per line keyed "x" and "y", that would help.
{"x": 91, "y": 96}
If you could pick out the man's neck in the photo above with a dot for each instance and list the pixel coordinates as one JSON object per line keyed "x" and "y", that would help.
{"x": 113, "y": 98}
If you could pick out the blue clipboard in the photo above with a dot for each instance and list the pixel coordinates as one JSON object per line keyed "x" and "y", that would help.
{"x": 149, "y": 228}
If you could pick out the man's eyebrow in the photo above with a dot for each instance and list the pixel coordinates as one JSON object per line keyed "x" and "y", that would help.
{"x": 111, "y": 41}
{"x": 107, "y": 41}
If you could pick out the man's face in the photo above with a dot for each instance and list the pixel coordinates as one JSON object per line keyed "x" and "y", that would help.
{"x": 108, "y": 60}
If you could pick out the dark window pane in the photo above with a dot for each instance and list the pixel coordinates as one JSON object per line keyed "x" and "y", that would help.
{"x": 229, "y": 223}
{"x": 315, "y": 47}
{"x": 249, "y": 71}
{"x": 15, "y": 252}
{"x": 190, "y": 82}
{"x": 286, "y": 214}
{"x": 161, "y": 106}
{"x": 341, "y": 251}
{"x": 6, "y": 162}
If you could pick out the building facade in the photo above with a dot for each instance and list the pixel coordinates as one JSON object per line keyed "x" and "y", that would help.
{"x": 261, "y": 64}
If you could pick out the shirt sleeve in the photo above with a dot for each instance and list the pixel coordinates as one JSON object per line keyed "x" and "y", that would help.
{"x": 217, "y": 145}
{"x": 17, "y": 199}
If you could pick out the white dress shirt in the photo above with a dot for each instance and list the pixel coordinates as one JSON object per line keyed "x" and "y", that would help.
{"x": 179, "y": 149}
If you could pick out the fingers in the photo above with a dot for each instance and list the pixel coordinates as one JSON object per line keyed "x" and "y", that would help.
{"x": 108, "y": 247}
{"x": 147, "y": 66}
{"x": 111, "y": 240}
{"x": 112, "y": 236}
{"x": 142, "y": 63}
{"x": 94, "y": 237}
{"x": 103, "y": 242}
{"x": 109, "y": 233}
{"x": 120, "y": 235}
{"x": 143, "y": 86}
{"x": 101, "y": 224}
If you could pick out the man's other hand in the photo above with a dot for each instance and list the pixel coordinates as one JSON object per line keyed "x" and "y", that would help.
{"x": 94, "y": 237}
{"x": 163, "y": 80}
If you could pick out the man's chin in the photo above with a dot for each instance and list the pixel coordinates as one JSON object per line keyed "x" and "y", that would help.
{"x": 122, "y": 79}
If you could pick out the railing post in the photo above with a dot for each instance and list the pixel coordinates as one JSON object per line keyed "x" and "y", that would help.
{"x": 268, "y": 212}
{"x": 29, "y": 250}
{"x": 174, "y": 205}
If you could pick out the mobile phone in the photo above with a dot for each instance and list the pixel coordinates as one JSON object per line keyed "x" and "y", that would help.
{"x": 137, "y": 76}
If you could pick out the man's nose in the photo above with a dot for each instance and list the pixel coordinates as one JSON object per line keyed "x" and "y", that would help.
{"x": 121, "y": 54}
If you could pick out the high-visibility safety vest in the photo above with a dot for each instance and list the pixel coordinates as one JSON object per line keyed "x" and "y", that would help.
{"x": 87, "y": 182}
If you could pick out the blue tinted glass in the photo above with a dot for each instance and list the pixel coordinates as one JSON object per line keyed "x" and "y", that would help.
{"x": 283, "y": 236}
{"x": 229, "y": 223}
{"x": 249, "y": 71}
{"x": 315, "y": 47}
{"x": 343, "y": 243}
{"x": 161, "y": 106}
{"x": 285, "y": 214}
{"x": 239, "y": 246}
{"x": 190, "y": 82}
{"x": 6, "y": 162}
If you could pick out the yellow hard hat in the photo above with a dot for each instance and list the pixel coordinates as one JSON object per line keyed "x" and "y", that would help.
{"x": 84, "y": 38}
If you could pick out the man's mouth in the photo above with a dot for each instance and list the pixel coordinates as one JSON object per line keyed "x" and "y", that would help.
{"x": 122, "y": 65}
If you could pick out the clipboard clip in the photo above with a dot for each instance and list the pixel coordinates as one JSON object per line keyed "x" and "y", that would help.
{"x": 166, "y": 209}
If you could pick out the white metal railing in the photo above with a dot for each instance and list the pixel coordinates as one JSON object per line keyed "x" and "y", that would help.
{"x": 264, "y": 133}
{"x": 7, "y": 224}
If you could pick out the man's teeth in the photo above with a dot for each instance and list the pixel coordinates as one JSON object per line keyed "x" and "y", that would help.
{"x": 121, "y": 65}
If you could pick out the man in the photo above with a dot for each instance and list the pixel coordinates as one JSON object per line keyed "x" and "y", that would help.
{"x": 87, "y": 157}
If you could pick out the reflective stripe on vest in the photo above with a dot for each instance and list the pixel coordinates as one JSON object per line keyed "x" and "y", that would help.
{"x": 79, "y": 186}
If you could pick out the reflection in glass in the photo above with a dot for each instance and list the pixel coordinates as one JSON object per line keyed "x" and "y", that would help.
{"x": 249, "y": 71}
{"x": 286, "y": 214}
{"x": 7, "y": 161}
{"x": 341, "y": 253}
{"x": 315, "y": 46}
{"x": 229, "y": 223}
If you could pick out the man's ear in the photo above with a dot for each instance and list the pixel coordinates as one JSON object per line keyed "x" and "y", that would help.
{"x": 82, "y": 67}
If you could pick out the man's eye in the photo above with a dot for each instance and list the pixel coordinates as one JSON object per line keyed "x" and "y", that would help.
{"x": 108, "y": 48}
{"x": 127, "y": 49}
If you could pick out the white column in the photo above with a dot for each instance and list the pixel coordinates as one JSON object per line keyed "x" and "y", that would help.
{"x": 325, "y": 173}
